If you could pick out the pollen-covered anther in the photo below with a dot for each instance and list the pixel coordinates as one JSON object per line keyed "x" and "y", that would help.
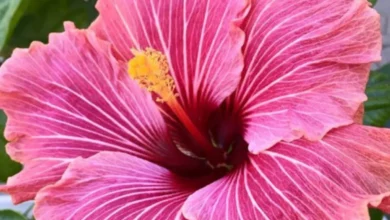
{"x": 151, "y": 70}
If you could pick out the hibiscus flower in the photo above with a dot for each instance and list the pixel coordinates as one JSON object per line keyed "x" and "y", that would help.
{"x": 182, "y": 109}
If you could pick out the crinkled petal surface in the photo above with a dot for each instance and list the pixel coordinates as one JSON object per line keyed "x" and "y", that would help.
{"x": 112, "y": 185}
{"x": 201, "y": 39}
{"x": 335, "y": 178}
{"x": 71, "y": 98}
{"x": 306, "y": 67}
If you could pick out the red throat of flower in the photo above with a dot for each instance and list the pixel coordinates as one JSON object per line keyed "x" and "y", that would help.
{"x": 150, "y": 69}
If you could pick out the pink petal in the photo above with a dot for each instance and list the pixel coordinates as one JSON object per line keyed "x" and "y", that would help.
{"x": 35, "y": 174}
{"x": 71, "y": 98}
{"x": 201, "y": 40}
{"x": 335, "y": 178}
{"x": 359, "y": 115}
{"x": 113, "y": 185}
{"x": 307, "y": 64}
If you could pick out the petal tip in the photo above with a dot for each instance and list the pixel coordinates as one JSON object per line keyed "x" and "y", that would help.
{"x": 69, "y": 25}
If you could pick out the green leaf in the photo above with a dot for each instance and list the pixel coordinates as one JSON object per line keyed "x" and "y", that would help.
{"x": 373, "y": 2}
{"x": 8, "y": 167}
{"x": 45, "y": 16}
{"x": 10, "y": 13}
{"x": 377, "y": 108}
{"x": 10, "y": 215}
{"x": 375, "y": 214}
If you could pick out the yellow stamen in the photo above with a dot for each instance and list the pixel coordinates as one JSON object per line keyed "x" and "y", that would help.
{"x": 150, "y": 69}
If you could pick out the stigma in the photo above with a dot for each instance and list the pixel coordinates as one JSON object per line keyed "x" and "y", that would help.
{"x": 150, "y": 69}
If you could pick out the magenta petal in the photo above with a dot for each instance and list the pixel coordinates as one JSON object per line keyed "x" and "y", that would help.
{"x": 306, "y": 67}
{"x": 71, "y": 98}
{"x": 385, "y": 205}
{"x": 201, "y": 40}
{"x": 113, "y": 185}
{"x": 335, "y": 178}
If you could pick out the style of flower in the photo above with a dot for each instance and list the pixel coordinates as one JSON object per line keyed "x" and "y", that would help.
{"x": 207, "y": 109}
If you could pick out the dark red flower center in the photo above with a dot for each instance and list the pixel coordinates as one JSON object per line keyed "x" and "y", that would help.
{"x": 218, "y": 144}
{"x": 225, "y": 148}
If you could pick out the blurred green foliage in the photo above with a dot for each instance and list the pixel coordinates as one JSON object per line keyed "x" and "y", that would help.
{"x": 10, "y": 13}
{"x": 7, "y": 166}
{"x": 373, "y": 2}
{"x": 377, "y": 108}
{"x": 33, "y": 20}
{"x": 11, "y": 215}
{"x": 376, "y": 214}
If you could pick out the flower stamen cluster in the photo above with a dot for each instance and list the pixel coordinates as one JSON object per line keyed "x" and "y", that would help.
{"x": 149, "y": 68}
